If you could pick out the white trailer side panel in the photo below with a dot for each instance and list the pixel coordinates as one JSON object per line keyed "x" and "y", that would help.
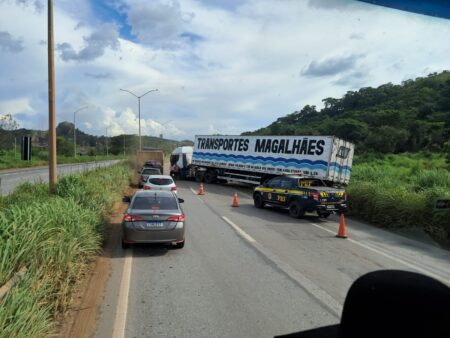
{"x": 307, "y": 155}
{"x": 340, "y": 163}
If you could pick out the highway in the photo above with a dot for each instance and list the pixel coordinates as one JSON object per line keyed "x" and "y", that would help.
{"x": 246, "y": 272}
{"x": 11, "y": 178}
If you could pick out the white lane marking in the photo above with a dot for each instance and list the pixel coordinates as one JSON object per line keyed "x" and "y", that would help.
{"x": 395, "y": 259}
{"x": 196, "y": 194}
{"x": 306, "y": 283}
{"x": 240, "y": 231}
{"x": 122, "y": 305}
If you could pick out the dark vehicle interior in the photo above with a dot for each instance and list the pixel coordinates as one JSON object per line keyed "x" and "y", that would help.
{"x": 390, "y": 304}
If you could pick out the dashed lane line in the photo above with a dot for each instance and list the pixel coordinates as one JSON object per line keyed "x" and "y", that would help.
{"x": 391, "y": 257}
{"x": 313, "y": 289}
{"x": 196, "y": 195}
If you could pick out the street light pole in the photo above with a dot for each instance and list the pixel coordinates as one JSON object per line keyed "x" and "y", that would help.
{"x": 106, "y": 141}
{"x": 123, "y": 145}
{"x": 53, "y": 174}
{"x": 75, "y": 132}
{"x": 139, "y": 110}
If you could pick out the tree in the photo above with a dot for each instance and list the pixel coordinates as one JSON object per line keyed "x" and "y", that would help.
{"x": 7, "y": 122}
{"x": 64, "y": 147}
{"x": 350, "y": 129}
{"x": 387, "y": 139}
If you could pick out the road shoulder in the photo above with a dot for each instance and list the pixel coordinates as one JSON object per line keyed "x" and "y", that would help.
{"x": 81, "y": 319}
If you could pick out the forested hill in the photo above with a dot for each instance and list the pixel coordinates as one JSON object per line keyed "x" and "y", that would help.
{"x": 389, "y": 119}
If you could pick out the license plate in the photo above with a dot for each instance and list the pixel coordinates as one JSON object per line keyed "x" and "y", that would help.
{"x": 152, "y": 225}
{"x": 331, "y": 207}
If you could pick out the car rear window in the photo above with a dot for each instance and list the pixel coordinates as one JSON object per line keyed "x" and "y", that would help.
{"x": 160, "y": 181}
{"x": 151, "y": 172}
{"x": 154, "y": 203}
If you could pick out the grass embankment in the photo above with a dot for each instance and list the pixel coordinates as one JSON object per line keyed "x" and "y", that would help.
{"x": 54, "y": 237}
{"x": 400, "y": 191}
{"x": 9, "y": 160}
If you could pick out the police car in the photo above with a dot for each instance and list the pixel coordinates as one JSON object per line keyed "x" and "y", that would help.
{"x": 300, "y": 195}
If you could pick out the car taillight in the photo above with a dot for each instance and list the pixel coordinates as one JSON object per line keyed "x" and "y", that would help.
{"x": 315, "y": 195}
{"x": 179, "y": 218}
{"x": 132, "y": 218}
{"x": 173, "y": 188}
{"x": 146, "y": 187}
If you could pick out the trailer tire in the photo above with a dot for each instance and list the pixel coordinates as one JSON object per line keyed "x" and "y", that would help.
{"x": 209, "y": 177}
{"x": 199, "y": 176}
{"x": 296, "y": 210}
{"x": 258, "y": 201}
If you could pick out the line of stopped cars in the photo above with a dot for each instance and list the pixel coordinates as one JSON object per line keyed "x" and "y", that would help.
{"x": 154, "y": 214}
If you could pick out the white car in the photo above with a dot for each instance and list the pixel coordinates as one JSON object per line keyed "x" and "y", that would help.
{"x": 160, "y": 182}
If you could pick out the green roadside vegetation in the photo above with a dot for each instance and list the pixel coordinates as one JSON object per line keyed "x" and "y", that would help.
{"x": 396, "y": 191}
{"x": 9, "y": 160}
{"x": 402, "y": 138}
{"x": 54, "y": 237}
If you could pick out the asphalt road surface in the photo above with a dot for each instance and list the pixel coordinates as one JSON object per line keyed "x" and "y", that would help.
{"x": 246, "y": 272}
{"x": 10, "y": 179}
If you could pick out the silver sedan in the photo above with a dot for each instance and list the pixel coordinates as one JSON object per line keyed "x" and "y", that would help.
{"x": 154, "y": 217}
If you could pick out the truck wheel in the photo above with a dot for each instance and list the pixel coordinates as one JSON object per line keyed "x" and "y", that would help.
{"x": 296, "y": 210}
{"x": 209, "y": 177}
{"x": 199, "y": 176}
{"x": 258, "y": 201}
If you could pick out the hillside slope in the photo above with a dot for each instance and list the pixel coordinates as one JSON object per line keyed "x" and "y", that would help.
{"x": 412, "y": 116}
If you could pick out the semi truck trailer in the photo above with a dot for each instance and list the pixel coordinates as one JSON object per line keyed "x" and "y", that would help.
{"x": 256, "y": 159}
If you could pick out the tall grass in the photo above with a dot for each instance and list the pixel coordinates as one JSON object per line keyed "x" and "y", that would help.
{"x": 401, "y": 191}
{"x": 54, "y": 237}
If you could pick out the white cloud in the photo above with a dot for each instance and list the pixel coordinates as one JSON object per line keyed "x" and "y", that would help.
{"x": 157, "y": 23}
{"x": 17, "y": 106}
{"x": 238, "y": 68}
{"x": 9, "y": 44}
{"x": 94, "y": 45}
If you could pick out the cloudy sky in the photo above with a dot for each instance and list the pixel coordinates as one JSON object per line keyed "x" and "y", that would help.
{"x": 220, "y": 66}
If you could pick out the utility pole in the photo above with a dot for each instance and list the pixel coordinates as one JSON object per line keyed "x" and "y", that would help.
{"x": 139, "y": 111}
{"x": 123, "y": 145}
{"x": 106, "y": 141}
{"x": 75, "y": 132}
{"x": 53, "y": 175}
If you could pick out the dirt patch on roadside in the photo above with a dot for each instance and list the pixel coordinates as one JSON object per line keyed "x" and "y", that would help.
{"x": 80, "y": 319}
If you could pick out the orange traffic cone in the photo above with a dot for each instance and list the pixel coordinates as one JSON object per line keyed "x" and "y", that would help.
{"x": 235, "y": 200}
{"x": 202, "y": 190}
{"x": 342, "y": 232}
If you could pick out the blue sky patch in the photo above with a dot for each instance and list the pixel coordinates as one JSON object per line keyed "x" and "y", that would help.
{"x": 113, "y": 11}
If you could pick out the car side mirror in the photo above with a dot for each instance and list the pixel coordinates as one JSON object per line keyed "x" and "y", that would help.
{"x": 126, "y": 199}
{"x": 180, "y": 200}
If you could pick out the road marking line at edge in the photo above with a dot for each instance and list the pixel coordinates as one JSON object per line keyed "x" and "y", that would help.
{"x": 120, "y": 320}
{"x": 395, "y": 259}
{"x": 240, "y": 231}
{"x": 196, "y": 195}
{"x": 320, "y": 294}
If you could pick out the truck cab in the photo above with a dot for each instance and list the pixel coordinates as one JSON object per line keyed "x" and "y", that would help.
{"x": 301, "y": 194}
{"x": 180, "y": 160}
